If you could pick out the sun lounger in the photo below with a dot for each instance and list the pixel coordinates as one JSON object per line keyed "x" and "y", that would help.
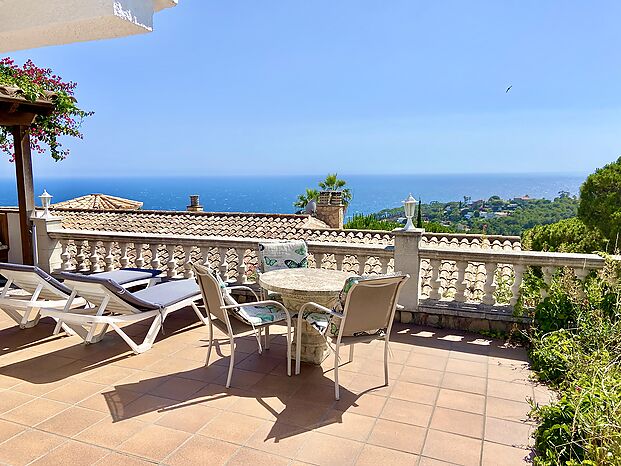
{"x": 29, "y": 288}
{"x": 115, "y": 306}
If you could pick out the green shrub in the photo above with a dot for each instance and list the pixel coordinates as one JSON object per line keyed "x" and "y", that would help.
{"x": 551, "y": 355}
{"x": 576, "y": 347}
{"x": 570, "y": 235}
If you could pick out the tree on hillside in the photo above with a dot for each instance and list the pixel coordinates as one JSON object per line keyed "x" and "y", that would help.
{"x": 600, "y": 201}
{"x": 304, "y": 199}
{"x": 569, "y": 235}
{"x": 419, "y": 216}
{"x": 333, "y": 183}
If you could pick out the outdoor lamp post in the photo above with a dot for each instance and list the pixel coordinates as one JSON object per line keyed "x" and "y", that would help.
{"x": 46, "y": 199}
{"x": 409, "y": 206}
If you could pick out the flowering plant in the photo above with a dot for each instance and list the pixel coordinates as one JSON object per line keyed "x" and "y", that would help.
{"x": 64, "y": 120}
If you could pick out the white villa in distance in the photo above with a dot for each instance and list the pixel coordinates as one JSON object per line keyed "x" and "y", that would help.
{"x": 26, "y": 24}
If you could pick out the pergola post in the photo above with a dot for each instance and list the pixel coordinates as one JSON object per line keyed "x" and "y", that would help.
{"x": 25, "y": 188}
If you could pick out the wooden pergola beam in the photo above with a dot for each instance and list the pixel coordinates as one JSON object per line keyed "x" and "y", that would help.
{"x": 17, "y": 113}
{"x": 25, "y": 189}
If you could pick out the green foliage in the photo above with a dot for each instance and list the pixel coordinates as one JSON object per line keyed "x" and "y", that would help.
{"x": 65, "y": 118}
{"x": 435, "y": 227}
{"x": 570, "y": 235}
{"x": 576, "y": 347}
{"x": 600, "y": 201}
{"x": 370, "y": 222}
{"x": 304, "y": 199}
{"x": 333, "y": 183}
{"x": 521, "y": 214}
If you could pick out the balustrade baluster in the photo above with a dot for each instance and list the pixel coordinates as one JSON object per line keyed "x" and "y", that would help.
{"x": 187, "y": 262}
{"x": 155, "y": 256}
{"x": 548, "y": 273}
{"x": 241, "y": 266}
{"x": 94, "y": 257}
{"x": 518, "y": 275}
{"x": 224, "y": 265}
{"x": 65, "y": 256}
{"x": 362, "y": 262}
{"x": 124, "y": 259}
{"x": 384, "y": 264}
{"x": 460, "y": 283}
{"x": 434, "y": 293}
{"x": 109, "y": 259}
{"x": 338, "y": 261}
{"x": 81, "y": 256}
{"x": 581, "y": 273}
{"x": 205, "y": 256}
{"x": 171, "y": 265}
{"x": 139, "y": 257}
{"x": 489, "y": 287}
{"x": 324, "y": 258}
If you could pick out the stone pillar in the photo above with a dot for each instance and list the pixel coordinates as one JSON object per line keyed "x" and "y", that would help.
{"x": 330, "y": 209}
{"x": 407, "y": 260}
{"x": 48, "y": 249}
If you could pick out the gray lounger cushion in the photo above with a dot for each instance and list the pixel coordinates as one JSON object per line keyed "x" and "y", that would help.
{"x": 124, "y": 276}
{"x": 166, "y": 294}
{"x": 155, "y": 297}
{"x": 41, "y": 273}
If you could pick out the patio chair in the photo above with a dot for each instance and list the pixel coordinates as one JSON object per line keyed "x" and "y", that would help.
{"x": 29, "y": 288}
{"x": 364, "y": 313}
{"x": 252, "y": 317}
{"x": 114, "y": 305}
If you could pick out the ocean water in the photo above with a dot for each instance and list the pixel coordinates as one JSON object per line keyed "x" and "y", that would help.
{"x": 277, "y": 194}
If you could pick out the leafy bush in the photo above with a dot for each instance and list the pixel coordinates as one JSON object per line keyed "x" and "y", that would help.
{"x": 570, "y": 235}
{"x": 576, "y": 347}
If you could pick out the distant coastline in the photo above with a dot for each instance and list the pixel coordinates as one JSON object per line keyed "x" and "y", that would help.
{"x": 277, "y": 193}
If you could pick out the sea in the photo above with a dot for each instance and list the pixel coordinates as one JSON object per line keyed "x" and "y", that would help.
{"x": 276, "y": 194}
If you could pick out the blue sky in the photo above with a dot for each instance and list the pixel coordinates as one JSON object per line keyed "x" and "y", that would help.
{"x": 354, "y": 86}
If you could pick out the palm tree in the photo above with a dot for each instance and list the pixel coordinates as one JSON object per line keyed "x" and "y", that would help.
{"x": 333, "y": 183}
{"x": 304, "y": 199}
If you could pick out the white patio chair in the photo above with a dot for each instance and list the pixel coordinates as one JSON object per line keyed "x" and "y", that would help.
{"x": 115, "y": 305}
{"x": 29, "y": 288}
{"x": 365, "y": 313}
{"x": 248, "y": 317}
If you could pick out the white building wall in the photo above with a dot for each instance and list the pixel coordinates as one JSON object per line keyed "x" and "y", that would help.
{"x": 28, "y": 24}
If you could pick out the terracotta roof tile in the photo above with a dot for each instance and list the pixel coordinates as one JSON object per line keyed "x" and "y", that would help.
{"x": 99, "y": 202}
{"x": 267, "y": 226}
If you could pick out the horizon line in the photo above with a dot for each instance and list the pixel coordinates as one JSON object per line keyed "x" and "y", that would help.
{"x": 522, "y": 173}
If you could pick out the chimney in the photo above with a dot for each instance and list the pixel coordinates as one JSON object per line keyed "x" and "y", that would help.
{"x": 195, "y": 205}
{"x": 330, "y": 209}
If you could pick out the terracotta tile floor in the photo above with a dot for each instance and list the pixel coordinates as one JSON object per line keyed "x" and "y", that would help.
{"x": 453, "y": 398}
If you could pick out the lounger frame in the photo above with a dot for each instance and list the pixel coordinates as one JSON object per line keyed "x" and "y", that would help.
{"x": 112, "y": 311}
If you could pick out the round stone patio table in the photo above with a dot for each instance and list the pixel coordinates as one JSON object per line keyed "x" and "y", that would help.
{"x": 299, "y": 286}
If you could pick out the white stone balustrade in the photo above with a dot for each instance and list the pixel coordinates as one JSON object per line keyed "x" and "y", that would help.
{"x": 455, "y": 272}
{"x": 174, "y": 254}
